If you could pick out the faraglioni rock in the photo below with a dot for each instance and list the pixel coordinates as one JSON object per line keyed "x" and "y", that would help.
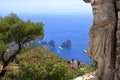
{"x": 103, "y": 38}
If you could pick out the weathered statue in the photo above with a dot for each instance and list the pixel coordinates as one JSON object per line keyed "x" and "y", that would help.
{"x": 102, "y": 37}
{"x": 117, "y": 75}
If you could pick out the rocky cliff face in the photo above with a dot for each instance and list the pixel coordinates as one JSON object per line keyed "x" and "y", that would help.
{"x": 104, "y": 43}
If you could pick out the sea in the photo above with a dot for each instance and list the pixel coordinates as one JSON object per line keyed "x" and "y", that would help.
{"x": 59, "y": 28}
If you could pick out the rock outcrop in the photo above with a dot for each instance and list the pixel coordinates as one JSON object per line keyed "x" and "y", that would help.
{"x": 104, "y": 43}
{"x": 89, "y": 76}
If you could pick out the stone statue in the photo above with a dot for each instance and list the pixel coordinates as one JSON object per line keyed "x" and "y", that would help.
{"x": 102, "y": 37}
{"x": 117, "y": 75}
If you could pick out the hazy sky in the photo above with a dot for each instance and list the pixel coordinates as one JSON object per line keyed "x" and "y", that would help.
{"x": 44, "y": 6}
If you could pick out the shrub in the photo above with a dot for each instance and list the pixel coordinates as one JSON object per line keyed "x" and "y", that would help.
{"x": 37, "y": 64}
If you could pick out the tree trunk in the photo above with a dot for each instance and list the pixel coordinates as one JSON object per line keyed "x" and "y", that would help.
{"x": 7, "y": 62}
{"x": 2, "y": 73}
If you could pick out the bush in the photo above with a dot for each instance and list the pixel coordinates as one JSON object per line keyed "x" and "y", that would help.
{"x": 37, "y": 64}
{"x": 47, "y": 71}
{"x": 59, "y": 71}
{"x": 75, "y": 73}
{"x": 31, "y": 72}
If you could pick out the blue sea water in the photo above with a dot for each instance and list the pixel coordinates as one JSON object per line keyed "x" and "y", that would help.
{"x": 66, "y": 27}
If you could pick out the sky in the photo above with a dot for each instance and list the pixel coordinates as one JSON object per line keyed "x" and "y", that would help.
{"x": 44, "y": 6}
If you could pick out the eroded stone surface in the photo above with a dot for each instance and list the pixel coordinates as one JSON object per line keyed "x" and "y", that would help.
{"x": 102, "y": 37}
{"x": 89, "y": 76}
{"x": 118, "y": 35}
{"x": 118, "y": 5}
{"x": 117, "y": 71}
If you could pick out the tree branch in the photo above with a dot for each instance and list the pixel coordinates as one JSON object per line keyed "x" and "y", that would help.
{"x": 2, "y": 57}
{"x": 12, "y": 57}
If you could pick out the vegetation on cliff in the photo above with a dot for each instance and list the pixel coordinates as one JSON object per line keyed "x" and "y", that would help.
{"x": 40, "y": 64}
{"x": 14, "y": 29}
{"x": 31, "y": 63}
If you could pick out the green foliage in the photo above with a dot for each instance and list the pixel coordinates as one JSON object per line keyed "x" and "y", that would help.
{"x": 34, "y": 64}
{"x": 26, "y": 31}
{"x": 59, "y": 71}
{"x": 42, "y": 72}
{"x": 5, "y": 25}
{"x": 87, "y": 68}
{"x": 82, "y": 70}
{"x": 3, "y": 78}
{"x": 40, "y": 64}
{"x": 14, "y": 29}
{"x": 75, "y": 73}
{"x": 43, "y": 66}
{"x": 31, "y": 72}
{"x": 2, "y": 47}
